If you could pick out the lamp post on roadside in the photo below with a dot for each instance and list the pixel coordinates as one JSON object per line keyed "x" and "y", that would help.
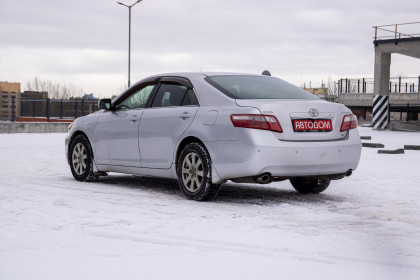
{"x": 129, "y": 35}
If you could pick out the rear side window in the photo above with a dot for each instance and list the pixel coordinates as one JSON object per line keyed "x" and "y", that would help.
{"x": 257, "y": 87}
{"x": 174, "y": 95}
{"x": 190, "y": 98}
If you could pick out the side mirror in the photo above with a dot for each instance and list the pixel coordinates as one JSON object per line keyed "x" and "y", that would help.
{"x": 105, "y": 104}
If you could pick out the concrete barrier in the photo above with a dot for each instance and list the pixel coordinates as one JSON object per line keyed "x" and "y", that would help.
{"x": 16, "y": 127}
{"x": 366, "y": 99}
{"x": 392, "y": 152}
{"x": 405, "y": 126}
{"x": 412, "y": 147}
{"x": 373, "y": 145}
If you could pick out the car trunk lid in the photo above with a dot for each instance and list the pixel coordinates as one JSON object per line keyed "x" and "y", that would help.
{"x": 303, "y": 120}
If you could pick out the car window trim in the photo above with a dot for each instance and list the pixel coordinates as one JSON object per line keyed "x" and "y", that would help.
{"x": 179, "y": 80}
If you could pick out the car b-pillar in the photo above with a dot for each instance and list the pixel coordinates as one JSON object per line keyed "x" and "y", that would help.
{"x": 381, "y": 89}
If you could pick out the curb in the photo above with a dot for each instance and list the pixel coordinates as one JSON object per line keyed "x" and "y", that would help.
{"x": 412, "y": 147}
{"x": 373, "y": 145}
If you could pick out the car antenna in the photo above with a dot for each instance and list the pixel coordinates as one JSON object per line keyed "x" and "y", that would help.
{"x": 266, "y": 73}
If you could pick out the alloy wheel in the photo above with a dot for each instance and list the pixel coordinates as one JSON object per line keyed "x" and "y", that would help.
{"x": 192, "y": 172}
{"x": 79, "y": 158}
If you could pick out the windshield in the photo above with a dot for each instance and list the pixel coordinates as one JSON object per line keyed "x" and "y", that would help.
{"x": 257, "y": 87}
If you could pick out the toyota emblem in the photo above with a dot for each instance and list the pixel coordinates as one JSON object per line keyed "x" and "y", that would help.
{"x": 313, "y": 112}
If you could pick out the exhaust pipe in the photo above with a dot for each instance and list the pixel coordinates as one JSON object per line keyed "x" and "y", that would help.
{"x": 264, "y": 178}
{"x": 349, "y": 172}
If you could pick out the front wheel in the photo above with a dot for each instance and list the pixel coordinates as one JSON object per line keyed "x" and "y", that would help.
{"x": 194, "y": 173}
{"x": 308, "y": 186}
{"x": 81, "y": 159}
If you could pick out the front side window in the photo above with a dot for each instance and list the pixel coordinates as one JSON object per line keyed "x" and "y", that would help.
{"x": 257, "y": 87}
{"x": 138, "y": 99}
{"x": 174, "y": 95}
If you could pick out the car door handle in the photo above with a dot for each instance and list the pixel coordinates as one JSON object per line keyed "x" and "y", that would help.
{"x": 134, "y": 120}
{"x": 185, "y": 115}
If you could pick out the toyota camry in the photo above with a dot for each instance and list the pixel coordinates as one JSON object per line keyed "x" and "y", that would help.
{"x": 204, "y": 129}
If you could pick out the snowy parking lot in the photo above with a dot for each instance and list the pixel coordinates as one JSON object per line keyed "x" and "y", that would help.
{"x": 366, "y": 226}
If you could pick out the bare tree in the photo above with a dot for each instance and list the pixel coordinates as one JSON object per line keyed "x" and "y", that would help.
{"x": 121, "y": 89}
{"x": 55, "y": 90}
{"x": 331, "y": 86}
{"x": 354, "y": 86}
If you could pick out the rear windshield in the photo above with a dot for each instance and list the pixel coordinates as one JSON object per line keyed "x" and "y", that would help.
{"x": 257, "y": 87}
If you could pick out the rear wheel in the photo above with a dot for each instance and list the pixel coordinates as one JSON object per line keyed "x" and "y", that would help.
{"x": 194, "y": 173}
{"x": 308, "y": 186}
{"x": 81, "y": 159}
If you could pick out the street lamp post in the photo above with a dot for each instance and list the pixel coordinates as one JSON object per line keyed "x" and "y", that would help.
{"x": 129, "y": 35}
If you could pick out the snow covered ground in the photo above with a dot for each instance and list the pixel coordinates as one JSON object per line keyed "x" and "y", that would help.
{"x": 366, "y": 226}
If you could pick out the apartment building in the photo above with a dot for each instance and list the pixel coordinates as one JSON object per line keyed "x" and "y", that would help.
{"x": 8, "y": 92}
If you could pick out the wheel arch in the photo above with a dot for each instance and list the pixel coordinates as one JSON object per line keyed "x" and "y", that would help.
{"x": 183, "y": 143}
{"x": 75, "y": 134}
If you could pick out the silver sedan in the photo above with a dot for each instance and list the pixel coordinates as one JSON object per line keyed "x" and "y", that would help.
{"x": 206, "y": 128}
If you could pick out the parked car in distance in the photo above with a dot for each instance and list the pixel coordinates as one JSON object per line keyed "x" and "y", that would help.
{"x": 206, "y": 128}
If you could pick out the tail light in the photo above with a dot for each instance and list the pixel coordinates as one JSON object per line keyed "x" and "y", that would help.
{"x": 349, "y": 122}
{"x": 265, "y": 122}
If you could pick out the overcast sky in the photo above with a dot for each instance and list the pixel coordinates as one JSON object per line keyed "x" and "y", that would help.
{"x": 86, "y": 42}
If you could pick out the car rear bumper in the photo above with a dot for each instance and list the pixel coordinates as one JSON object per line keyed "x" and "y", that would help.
{"x": 259, "y": 152}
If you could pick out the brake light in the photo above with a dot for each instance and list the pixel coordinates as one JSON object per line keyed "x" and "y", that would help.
{"x": 349, "y": 122}
{"x": 265, "y": 122}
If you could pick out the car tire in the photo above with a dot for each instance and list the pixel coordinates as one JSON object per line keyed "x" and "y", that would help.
{"x": 308, "y": 186}
{"x": 194, "y": 173}
{"x": 81, "y": 159}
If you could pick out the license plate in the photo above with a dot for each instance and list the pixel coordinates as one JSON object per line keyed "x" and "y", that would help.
{"x": 312, "y": 125}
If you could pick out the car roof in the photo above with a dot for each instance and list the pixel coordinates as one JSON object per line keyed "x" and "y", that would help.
{"x": 201, "y": 74}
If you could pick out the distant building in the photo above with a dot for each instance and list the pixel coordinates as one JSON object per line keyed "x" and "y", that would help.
{"x": 9, "y": 91}
{"x": 22, "y": 100}
{"x": 34, "y": 95}
{"x": 320, "y": 92}
{"x": 89, "y": 96}
{"x": 9, "y": 87}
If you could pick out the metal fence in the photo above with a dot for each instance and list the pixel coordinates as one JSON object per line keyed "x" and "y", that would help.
{"x": 396, "y": 32}
{"x": 366, "y": 85}
{"x": 363, "y": 85}
{"x": 52, "y": 109}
